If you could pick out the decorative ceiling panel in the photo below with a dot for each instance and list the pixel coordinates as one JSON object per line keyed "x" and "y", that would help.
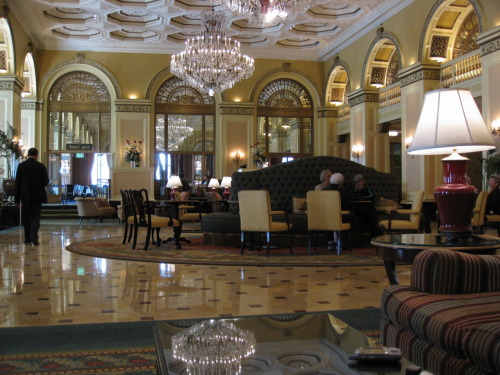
{"x": 162, "y": 26}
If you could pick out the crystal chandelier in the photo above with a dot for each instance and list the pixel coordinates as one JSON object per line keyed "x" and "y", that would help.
{"x": 178, "y": 131}
{"x": 213, "y": 347}
{"x": 267, "y": 11}
{"x": 211, "y": 62}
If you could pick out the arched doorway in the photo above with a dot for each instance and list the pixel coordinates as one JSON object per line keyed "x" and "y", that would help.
{"x": 285, "y": 121}
{"x": 79, "y": 135}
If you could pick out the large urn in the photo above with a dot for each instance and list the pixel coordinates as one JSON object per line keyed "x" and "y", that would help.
{"x": 9, "y": 187}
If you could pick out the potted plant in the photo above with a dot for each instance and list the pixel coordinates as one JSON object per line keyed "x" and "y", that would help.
{"x": 258, "y": 155}
{"x": 11, "y": 150}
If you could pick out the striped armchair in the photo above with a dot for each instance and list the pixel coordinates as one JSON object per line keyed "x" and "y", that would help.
{"x": 448, "y": 319}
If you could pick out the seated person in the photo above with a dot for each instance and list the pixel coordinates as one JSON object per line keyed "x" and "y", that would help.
{"x": 365, "y": 218}
{"x": 336, "y": 182}
{"x": 493, "y": 201}
{"x": 324, "y": 177}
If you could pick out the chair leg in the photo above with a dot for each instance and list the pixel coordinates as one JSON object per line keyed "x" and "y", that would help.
{"x": 131, "y": 231}
{"x": 290, "y": 244}
{"x": 135, "y": 237}
{"x": 339, "y": 243}
{"x": 268, "y": 240}
{"x": 242, "y": 239}
{"x": 125, "y": 234}
{"x": 177, "y": 236}
{"x": 309, "y": 240}
{"x": 148, "y": 237}
{"x": 158, "y": 239}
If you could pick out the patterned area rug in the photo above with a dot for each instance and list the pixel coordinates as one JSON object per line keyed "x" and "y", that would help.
{"x": 198, "y": 253}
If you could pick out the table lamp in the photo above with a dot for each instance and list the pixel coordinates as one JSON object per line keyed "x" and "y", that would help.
{"x": 214, "y": 184}
{"x": 226, "y": 184}
{"x": 173, "y": 183}
{"x": 450, "y": 122}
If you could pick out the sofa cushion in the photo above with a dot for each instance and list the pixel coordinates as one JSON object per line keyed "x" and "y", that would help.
{"x": 443, "y": 320}
{"x": 452, "y": 272}
{"x": 482, "y": 346}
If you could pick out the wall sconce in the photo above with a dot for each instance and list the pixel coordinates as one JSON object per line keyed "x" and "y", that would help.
{"x": 237, "y": 157}
{"x": 226, "y": 184}
{"x": 173, "y": 183}
{"x": 356, "y": 151}
{"x": 408, "y": 141}
{"x": 495, "y": 127}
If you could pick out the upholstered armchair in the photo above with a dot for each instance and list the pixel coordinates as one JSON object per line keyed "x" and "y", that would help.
{"x": 93, "y": 208}
{"x": 412, "y": 224}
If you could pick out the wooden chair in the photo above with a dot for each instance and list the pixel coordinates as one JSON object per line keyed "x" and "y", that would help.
{"x": 143, "y": 218}
{"x": 256, "y": 217}
{"x": 479, "y": 212}
{"x": 187, "y": 212}
{"x": 324, "y": 213}
{"x": 395, "y": 224}
{"x": 128, "y": 215}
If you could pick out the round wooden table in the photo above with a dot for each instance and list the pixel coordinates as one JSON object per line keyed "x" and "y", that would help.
{"x": 404, "y": 247}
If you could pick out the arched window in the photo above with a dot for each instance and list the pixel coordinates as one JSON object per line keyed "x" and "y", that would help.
{"x": 6, "y": 48}
{"x": 285, "y": 121}
{"x": 184, "y": 131}
{"x": 29, "y": 78}
{"x": 79, "y": 132}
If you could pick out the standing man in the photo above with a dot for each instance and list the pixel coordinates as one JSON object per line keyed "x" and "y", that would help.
{"x": 31, "y": 180}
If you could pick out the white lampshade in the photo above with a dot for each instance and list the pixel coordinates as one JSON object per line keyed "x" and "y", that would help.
{"x": 174, "y": 181}
{"x": 226, "y": 182}
{"x": 450, "y": 122}
{"x": 214, "y": 183}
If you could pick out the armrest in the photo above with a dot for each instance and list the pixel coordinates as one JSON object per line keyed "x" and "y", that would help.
{"x": 443, "y": 271}
{"x": 345, "y": 212}
{"x": 406, "y": 211}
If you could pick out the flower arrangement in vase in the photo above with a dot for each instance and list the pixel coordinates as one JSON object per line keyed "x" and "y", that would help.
{"x": 133, "y": 152}
{"x": 258, "y": 155}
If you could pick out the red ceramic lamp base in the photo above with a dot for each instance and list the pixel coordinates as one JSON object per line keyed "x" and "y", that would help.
{"x": 455, "y": 199}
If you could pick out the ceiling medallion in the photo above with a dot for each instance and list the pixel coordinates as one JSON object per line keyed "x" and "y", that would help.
{"x": 267, "y": 12}
{"x": 211, "y": 62}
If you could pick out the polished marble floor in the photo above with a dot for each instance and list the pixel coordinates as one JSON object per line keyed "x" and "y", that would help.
{"x": 48, "y": 285}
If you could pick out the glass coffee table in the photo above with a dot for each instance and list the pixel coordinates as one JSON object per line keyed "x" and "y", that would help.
{"x": 404, "y": 248}
{"x": 311, "y": 342}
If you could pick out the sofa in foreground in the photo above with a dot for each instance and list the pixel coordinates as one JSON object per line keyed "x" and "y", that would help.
{"x": 288, "y": 184}
{"x": 448, "y": 319}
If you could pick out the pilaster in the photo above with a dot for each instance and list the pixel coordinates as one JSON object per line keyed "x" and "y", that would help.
{"x": 418, "y": 172}
{"x": 364, "y": 129}
{"x": 235, "y": 133}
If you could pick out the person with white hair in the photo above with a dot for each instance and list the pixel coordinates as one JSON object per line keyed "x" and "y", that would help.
{"x": 324, "y": 177}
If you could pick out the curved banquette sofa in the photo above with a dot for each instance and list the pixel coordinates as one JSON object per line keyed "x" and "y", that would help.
{"x": 285, "y": 182}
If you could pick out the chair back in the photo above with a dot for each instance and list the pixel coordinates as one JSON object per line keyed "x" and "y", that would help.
{"x": 255, "y": 210}
{"x": 479, "y": 209}
{"x": 324, "y": 210}
{"x": 128, "y": 203}
{"x": 416, "y": 206}
{"x": 142, "y": 207}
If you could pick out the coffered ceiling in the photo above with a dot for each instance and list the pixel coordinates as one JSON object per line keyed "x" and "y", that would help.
{"x": 162, "y": 26}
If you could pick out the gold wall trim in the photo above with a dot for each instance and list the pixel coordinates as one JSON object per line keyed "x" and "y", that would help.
{"x": 419, "y": 72}
{"x": 239, "y": 110}
{"x": 285, "y": 112}
{"x": 11, "y": 83}
{"x": 489, "y": 41}
{"x": 324, "y": 113}
{"x": 360, "y": 96}
{"x": 137, "y": 108}
{"x": 78, "y": 107}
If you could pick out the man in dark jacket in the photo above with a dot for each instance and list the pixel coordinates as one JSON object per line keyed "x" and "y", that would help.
{"x": 31, "y": 180}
